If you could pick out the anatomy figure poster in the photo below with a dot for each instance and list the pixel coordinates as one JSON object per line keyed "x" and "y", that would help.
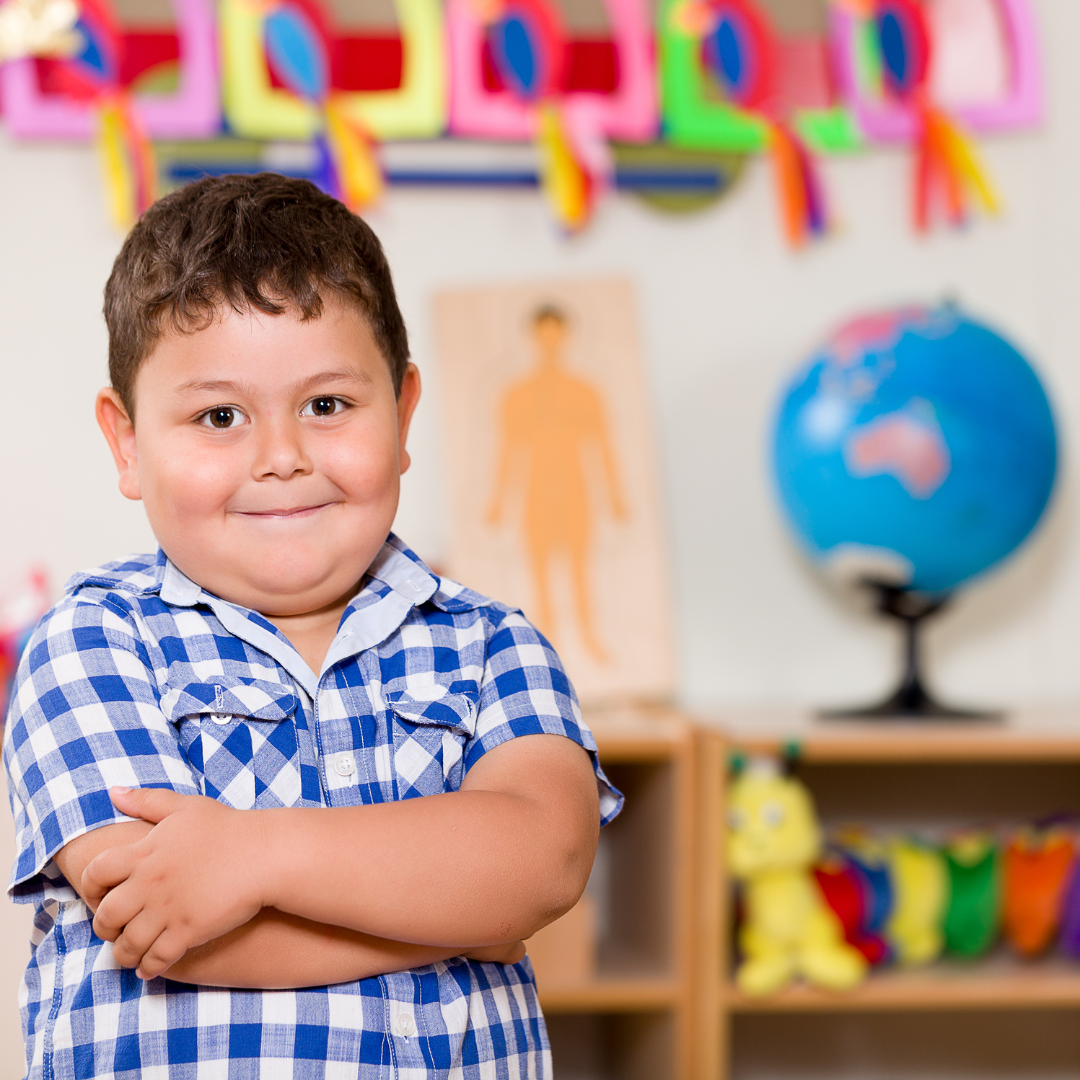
{"x": 553, "y": 475}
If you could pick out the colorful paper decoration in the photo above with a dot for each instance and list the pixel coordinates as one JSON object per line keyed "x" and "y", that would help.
{"x": 293, "y": 42}
{"x": 193, "y": 112}
{"x": 898, "y": 57}
{"x": 572, "y": 128}
{"x": 718, "y": 70}
{"x": 93, "y": 100}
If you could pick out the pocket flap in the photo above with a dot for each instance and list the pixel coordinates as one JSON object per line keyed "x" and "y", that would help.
{"x": 443, "y": 708}
{"x": 230, "y": 695}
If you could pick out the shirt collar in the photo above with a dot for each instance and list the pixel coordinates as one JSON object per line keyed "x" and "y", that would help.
{"x": 371, "y": 617}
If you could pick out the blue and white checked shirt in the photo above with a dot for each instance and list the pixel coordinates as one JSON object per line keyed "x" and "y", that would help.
{"x": 138, "y": 677}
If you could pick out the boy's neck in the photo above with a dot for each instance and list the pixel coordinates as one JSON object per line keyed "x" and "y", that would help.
{"x": 312, "y": 632}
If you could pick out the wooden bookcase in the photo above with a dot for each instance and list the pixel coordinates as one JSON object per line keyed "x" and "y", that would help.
{"x": 632, "y": 1017}
{"x": 998, "y": 1015}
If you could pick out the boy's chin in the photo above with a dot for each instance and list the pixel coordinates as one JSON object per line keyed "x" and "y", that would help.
{"x": 282, "y": 597}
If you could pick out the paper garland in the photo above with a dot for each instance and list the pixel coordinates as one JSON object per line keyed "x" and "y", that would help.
{"x": 887, "y": 55}
{"x": 719, "y": 81}
{"x": 193, "y": 112}
{"x": 256, "y": 109}
{"x": 718, "y": 65}
{"x": 572, "y": 128}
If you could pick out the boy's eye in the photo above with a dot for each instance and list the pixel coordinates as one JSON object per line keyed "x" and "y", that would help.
{"x": 224, "y": 416}
{"x": 323, "y": 406}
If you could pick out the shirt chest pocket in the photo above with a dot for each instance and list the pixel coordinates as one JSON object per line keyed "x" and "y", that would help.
{"x": 240, "y": 737}
{"x": 429, "y": 737}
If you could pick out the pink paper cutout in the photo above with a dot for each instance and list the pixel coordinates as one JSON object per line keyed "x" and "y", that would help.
{"x": 630, "y": 113}
{"x": 193, "y": 112}
{"x": 893, "y": 121}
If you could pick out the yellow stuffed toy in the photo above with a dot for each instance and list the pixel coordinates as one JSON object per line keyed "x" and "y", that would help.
{"x": 773, "y": 841}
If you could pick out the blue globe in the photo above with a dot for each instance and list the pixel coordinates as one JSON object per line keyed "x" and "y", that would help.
{"x": 916, "y": 448}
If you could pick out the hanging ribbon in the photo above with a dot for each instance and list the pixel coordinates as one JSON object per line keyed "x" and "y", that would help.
{"x": 946, "y": 163}
{"x": 802, "y": 205}
{"x": 92, "y": 74}
{"x": 127, "y": 158}
{"x": 737, "y": 51}
{"x": 297, "y": 43}
{"x": 528, "y": 46}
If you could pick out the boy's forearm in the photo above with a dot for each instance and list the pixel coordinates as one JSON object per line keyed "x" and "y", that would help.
{"x": 475, "y": 865}
{"x": 277, "y": 951}
{"x": 413, "y": 881}
{"x": 488, "y": 864}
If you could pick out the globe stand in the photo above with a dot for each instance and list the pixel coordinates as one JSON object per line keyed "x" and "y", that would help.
{"x": 911, "y": 700}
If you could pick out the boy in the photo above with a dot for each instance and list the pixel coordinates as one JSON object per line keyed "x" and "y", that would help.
{"x": 215, "y": 754}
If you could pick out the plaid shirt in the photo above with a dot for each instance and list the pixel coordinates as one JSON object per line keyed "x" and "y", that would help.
{"x": 140, "y": 678}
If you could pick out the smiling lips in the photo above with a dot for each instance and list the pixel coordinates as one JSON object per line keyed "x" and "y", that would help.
{"x": 288, "y": 514}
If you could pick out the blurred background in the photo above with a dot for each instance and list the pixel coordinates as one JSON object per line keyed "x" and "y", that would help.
{"x": 726, "y": 312}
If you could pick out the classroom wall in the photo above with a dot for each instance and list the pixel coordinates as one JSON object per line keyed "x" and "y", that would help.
{"x": 726, "y": 311}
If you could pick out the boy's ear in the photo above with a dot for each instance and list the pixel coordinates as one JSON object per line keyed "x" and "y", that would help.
{"x": 119, "y": 433}
{"x": 406, "y": 406}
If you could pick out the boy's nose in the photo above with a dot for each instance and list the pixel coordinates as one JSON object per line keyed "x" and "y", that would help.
{"x": 281, "y": 451}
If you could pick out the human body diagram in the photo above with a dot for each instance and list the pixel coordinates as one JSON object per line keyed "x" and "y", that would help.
{"x": 552, "y": 428}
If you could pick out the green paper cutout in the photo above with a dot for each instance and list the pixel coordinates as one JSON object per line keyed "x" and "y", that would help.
{"x": 692, "y": 116}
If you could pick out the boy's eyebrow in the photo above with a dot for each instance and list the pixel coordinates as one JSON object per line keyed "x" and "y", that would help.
{"x": 218, "y": 386}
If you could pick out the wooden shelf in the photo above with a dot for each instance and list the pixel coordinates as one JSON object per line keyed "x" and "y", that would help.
{"x": 625, "y": 1009}
{"x": 610, "y": 995}
{"x": 1050, "y": 735}
{"x": 625, "y": 735}
{"x": 998, "y": 982}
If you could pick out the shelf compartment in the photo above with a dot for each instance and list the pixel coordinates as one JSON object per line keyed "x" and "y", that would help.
{"x": 998, "y": 982}
{"x": 619, "y": 1045}
{"x": 610, "y": 995}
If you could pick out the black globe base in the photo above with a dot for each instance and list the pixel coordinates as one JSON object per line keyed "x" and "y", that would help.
{"x": 911, "y": 700}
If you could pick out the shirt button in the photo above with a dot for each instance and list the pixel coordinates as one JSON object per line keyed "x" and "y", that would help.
{"x": 344, "y": 765}
{"x": 219, "y": 717}
{"x": 405, "y": 1025}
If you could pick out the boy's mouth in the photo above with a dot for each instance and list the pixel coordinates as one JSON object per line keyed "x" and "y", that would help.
{"x": 284, "y": 512}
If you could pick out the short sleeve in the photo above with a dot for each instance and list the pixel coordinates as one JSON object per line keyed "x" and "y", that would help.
{"x": 525, "y": 691}
{"x": 84, "y": 717}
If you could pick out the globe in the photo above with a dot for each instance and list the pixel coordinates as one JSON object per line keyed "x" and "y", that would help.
{"x": 916, "y": 449}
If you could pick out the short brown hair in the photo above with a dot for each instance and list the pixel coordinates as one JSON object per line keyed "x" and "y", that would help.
{"x": 263, "y": 242}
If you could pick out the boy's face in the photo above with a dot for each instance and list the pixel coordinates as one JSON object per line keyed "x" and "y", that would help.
{"x": 268, "y": 454}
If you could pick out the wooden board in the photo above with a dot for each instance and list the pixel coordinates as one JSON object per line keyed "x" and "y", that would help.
{"x": 552, "y": 475}
{"x": 999, "y": 982}
{"x": 1025, "y": 735}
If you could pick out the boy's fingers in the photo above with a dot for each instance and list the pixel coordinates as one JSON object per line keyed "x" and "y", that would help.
{"x": 108, "y": 869}
{"x": 115, "y": 912}
{"x": 150, "y": 804}
{"x": 161, "y": 955}
{"x": 138, "y": 936}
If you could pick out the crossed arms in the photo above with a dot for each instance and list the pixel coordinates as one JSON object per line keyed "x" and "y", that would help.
{"x": 307, "y": 897}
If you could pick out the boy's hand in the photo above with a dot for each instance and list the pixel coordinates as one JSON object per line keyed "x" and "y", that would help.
{"x": 191, "y": 879}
